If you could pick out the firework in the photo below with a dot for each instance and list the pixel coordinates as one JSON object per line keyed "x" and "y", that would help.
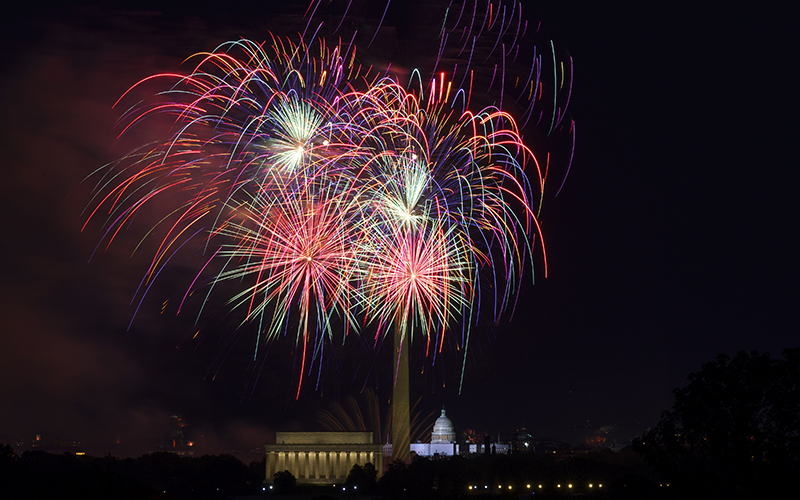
{"x": 338, "y": 199}
{"x": 293, "y": 252}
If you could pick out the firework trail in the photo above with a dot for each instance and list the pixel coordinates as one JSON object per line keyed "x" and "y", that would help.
{"x": 338, "y": 199}
{"x": 367, "y": 415}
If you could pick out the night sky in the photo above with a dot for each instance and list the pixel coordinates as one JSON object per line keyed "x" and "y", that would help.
{"x": 671, "y": 242}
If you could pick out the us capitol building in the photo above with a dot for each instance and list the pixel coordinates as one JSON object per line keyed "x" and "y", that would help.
{"x": 327, "y": 457}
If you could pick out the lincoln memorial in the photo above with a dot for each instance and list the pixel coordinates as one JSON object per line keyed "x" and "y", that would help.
{"x": 321, "y": 457}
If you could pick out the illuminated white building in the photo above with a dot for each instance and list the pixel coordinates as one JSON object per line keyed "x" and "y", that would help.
{"x": 443, "y": 442}
{"x": 443, "y": 430}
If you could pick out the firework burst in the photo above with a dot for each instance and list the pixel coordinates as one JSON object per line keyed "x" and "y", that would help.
{"x": 292, "y": 253}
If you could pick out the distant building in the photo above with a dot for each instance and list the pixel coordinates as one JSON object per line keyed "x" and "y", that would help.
{"x": 321, "y": 457}
{"x": 443, "y": 430}
{"x": 443, "y": 443}
{"x": 521, "y": 441}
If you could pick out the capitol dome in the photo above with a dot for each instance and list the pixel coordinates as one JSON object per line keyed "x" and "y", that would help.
{"x": 443, "y": 431}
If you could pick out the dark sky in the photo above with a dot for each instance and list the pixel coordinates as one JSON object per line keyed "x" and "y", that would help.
{"x": 670, "y": 243}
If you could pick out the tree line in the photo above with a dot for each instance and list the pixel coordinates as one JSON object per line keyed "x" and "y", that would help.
{"x": 733, "y": 431}
{"x": 161, "y": 475}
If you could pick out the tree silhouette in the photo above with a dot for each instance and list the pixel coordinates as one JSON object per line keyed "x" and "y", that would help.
{"x": 284, "y": 482}
{"x": 362, "y": 479}
{"x": 734, "y": 430}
